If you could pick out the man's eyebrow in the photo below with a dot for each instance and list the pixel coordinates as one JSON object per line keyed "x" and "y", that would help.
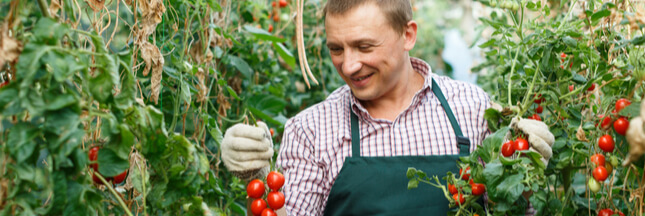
{"x": 355, "y": 42}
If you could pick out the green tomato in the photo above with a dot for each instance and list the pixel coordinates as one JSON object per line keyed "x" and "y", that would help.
{"x": 594, "y": 186}
{"x": 614, "y": 161}
{"x": 493, "y": 3}
{"x": 515, "y": 6}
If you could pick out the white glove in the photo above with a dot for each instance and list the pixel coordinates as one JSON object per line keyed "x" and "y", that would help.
{"x": 538, "y": 134}
{"x": 247, "y": 150}
{"x": 636, "y": 137}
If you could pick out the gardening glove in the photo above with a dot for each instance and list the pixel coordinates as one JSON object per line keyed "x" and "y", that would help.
{"x": 246, "y": 150}
{"x": 636, "y": 137}
{"x": 538, "y": 135}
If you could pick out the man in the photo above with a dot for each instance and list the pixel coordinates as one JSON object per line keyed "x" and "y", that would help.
{"x": 348, "y": 154}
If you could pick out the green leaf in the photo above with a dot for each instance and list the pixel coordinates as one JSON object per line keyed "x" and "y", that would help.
{"x": 632, "y": 110}
{"x": 232, "y": 93}
{"x": 55, "y": 99}
{"x": 214, "y": 5}
{"x": 570, "y": 42}
{"x": 600, "y": 14}
{"x": 488, "y": 43}
{"x": 492, "y": 116}
{"x": 261, "y": 115}
{"x": 285, "y": 54}
{"x": 411, "y": 172}
{"x": 185, "y": 91}
{"x": 262, "y": 34}
{"x": 538, "y": 200}
{"x": 511, "y": 187}
{"x": 49, "y": 31}
{"x": 21, "y": 141}
{"x": 579, "y": 78}
{"x": 242, "y": 66}
{"x": 267, "y": 103}
{"x": 413, "y": 183}
{"x": 110, "y": 164}
{"x": 105, "y": 78}
{"x": 214, "y": 130}
{"x": 640, "y": 40}
{"x": 140, "y": 176}
{"x": 493, "y": 172}
{"x": 127, "y": 95}
{"x": 7, "y": 95}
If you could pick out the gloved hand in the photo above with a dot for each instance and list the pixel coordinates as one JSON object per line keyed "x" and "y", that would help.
{"x": 247, "y": 150}
{"x": 636, "y": 137}
{"x": 538, "y": 135}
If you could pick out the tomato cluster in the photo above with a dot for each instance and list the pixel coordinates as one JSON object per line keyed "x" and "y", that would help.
{"x": 93, "y": 155}
{"x": 519, "y": 144}
{"x": 609, "y": 212}
{"x": 621, "y": 123}
{"x": 275, "y": 199}
{"x": 477, "y": 189}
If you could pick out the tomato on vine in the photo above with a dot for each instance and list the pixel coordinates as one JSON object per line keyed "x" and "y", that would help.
{"x": 535, "y": 117}
{"x": 268, "y": 212}
{"x": 255, "y": 188}
{"x": 598, "y": 159}
{"x": 257, "y": 206}
{"x": 508, "y": 149}
{"x": 592, "y": 87}
{"x": 594, "y": 186}
{"x": 604, "y": 122}
{"x": 605, "y": 212}
{"x": 120, "y": 177}
{"x": 620, "y": 125}
{"x": 606, "y": 143}
{"x": 283, "y": 3}
{"x": 275, "y": 180}
{"x": 465, "y": 175}
{"x": 600, "y": 174}
{"x": 621, "y": 104}
{"x": 539, "y": 109}
{"x": 478, "y": 189}
{"x": 521, "y": 144}
{"x": 571, "y": 87}
{"x": 275, "y": 200}
{"x": 459, "y": 198}
{"x": 452, "y": 189}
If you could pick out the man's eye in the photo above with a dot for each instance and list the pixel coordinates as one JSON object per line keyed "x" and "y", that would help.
{"x": 335, "y": 49}
{"x": 366, "y": 47}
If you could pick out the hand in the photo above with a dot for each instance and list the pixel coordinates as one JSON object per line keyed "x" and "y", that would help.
{"x": 246, "y": 150}
{"x": 538, "y": 135}
{"x": 636, "y": 137}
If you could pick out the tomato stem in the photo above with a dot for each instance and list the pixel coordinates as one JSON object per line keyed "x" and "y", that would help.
{"x": 111, "y": 189}
{"x": 510, "y": 78}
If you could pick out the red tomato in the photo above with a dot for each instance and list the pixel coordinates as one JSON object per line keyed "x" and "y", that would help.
{"x": 120, "y": 177}
{"x": 283, "y": 3}
{"x": 620, "y": 125}
{"x": 598, "y": 159}
{"x": 257, "y": 206}
{"x": 3, "y": 84}
{"x": 268, "y": 212}
{"x": 275, "y": 180}
{"x": 539, "y": 99}
{"x": 521, "y": 144}
{"x": 507, "y": 149}
{"x": 619, "y": 213}
{"x": 605, "y": 122}
{"x": 272, "y": 4}
{"x": 452, "y": 189}
{"x": 621, "y": 104}
{"x": 93, "y": 154}
{"x": 271, "y": 131}
{"x": 539, "y": 109}
{"x": 465, "y": 175}
{"x": 605, "y": 212}
{"x": 606, "y": 143}
{"x": 270, "y": 28}
{"x": 478, "y": 189}
{"x": 275, "y": 200}
{"x": 459, "y": 198}
{"x": 600, "y": 174}
{"x": 535, "y": 117}
{"x": 255, "y": 189}
{"x": 471, "y": 182}
{"x": 563, "y": 55}
{"x": 592, "y": 87}
{"x": 571, "y": 88}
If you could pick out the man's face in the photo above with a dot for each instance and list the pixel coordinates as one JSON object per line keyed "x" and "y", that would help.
{"x": 367, "y": 52}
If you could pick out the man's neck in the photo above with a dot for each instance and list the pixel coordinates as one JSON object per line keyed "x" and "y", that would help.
{"x": 392, "y": 104}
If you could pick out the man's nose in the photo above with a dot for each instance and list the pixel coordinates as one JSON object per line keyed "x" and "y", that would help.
{"x": 351, "y": 62}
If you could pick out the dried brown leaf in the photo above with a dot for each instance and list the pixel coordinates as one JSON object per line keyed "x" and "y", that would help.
{"x": 580, "y": 135}
{"x": 10, "y": 48}
{"x": 96, "y": 5}
{"x": 203, "y": 91}
{"x": 54, "y": 7}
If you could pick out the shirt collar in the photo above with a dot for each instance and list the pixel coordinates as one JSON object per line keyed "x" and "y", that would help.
{"x": 420, "y": 67}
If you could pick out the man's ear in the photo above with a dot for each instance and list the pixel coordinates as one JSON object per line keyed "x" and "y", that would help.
{"x": 410, "y": 35}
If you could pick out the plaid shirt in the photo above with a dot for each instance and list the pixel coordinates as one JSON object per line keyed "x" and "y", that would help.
{"x": 317, "y": 140}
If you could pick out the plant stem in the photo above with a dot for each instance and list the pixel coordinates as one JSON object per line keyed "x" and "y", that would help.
{"x": 111, "y": 189}
{"x": 510, "y": 78}
{"x": 44, "y": 8}
{"x": 528, "y": 98}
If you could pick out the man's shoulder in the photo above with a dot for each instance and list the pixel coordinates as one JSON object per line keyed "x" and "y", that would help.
{"x": 460, "y": 88}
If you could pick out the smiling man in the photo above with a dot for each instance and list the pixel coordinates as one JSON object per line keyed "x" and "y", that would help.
{"x": 349, "y": 154}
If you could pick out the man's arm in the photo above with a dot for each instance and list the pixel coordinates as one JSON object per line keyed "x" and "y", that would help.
{"x": 306, "y": 182}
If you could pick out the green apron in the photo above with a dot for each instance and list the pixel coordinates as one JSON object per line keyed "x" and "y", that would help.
{"x": 379, "y": 186}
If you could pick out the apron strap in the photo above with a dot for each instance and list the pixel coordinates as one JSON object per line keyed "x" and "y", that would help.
{"x": 462, "y": 141}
